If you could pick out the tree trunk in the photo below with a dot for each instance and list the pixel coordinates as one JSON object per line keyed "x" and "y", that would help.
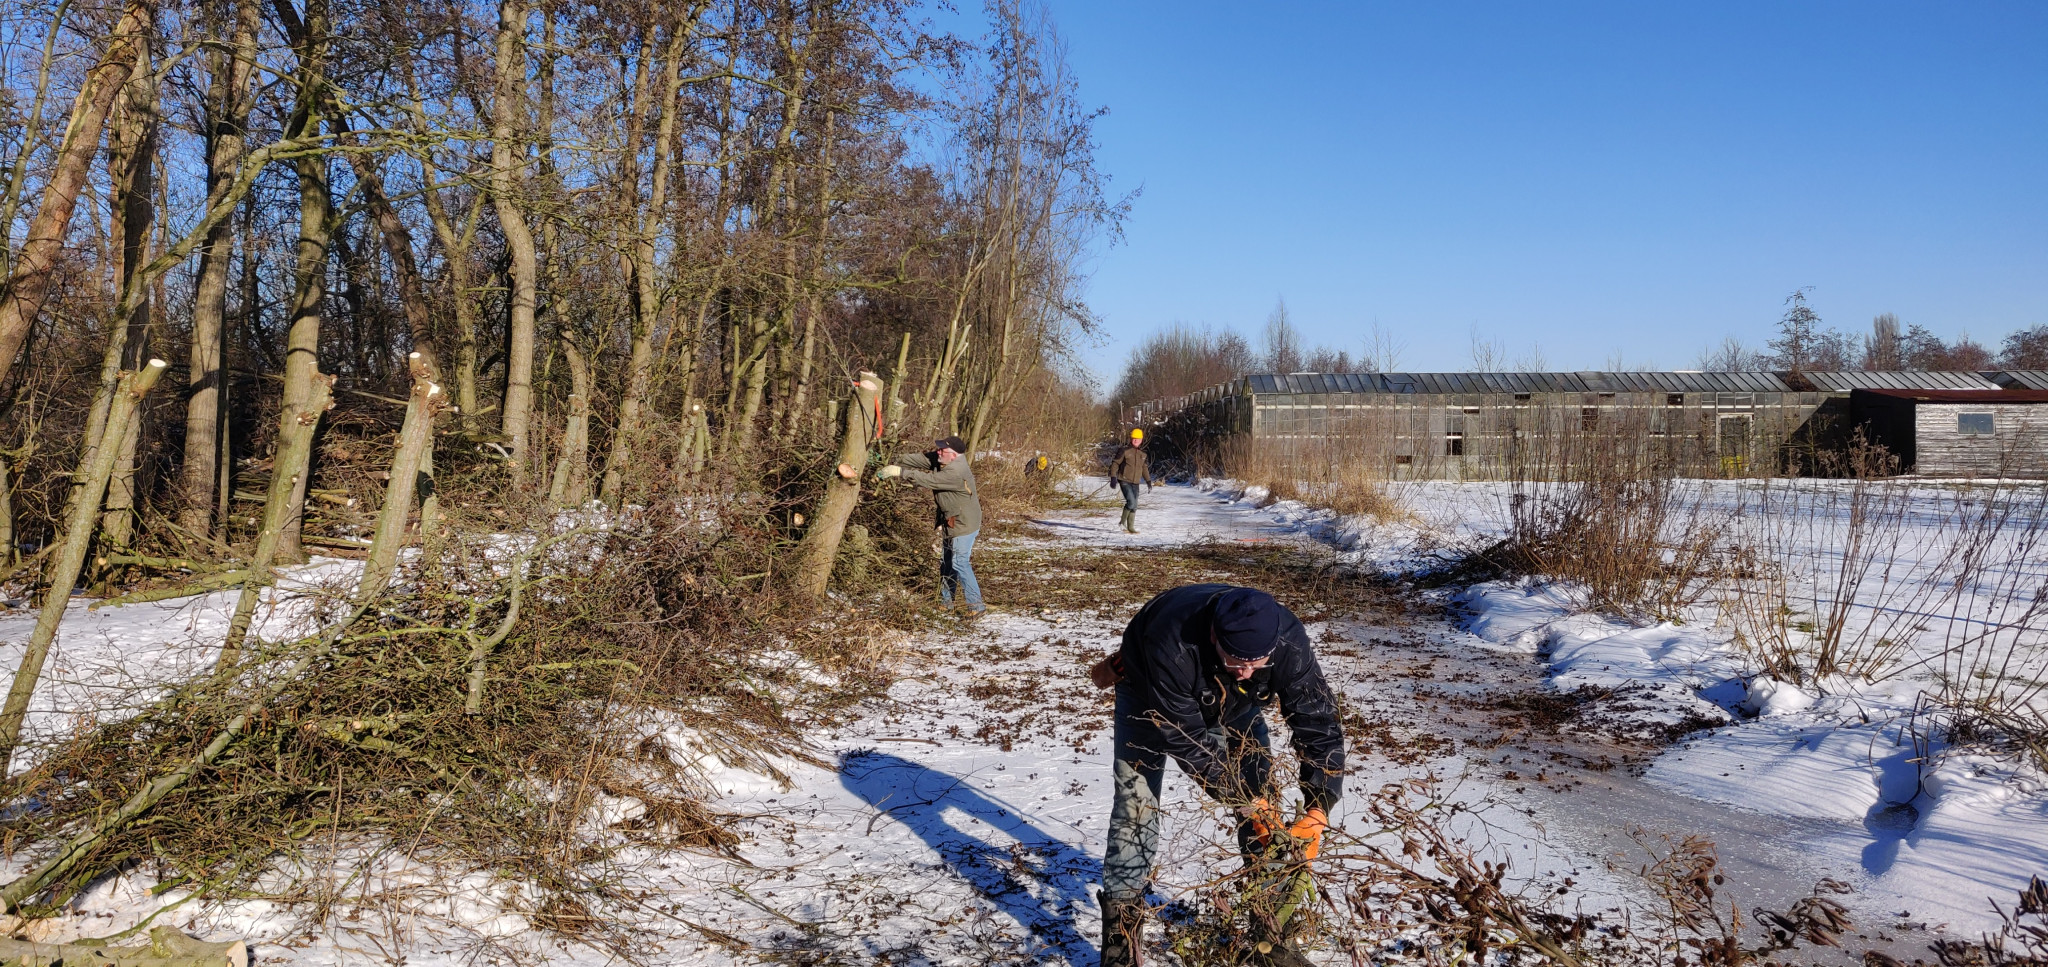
{"x": 645, "y": 292}
{"x": 455, "y": 243}
{"x": 303, "y": 384}
{"x": 894, "y": 402}
{"x": 820, "y": 545}
{"x": 505, "y": 181}
{"x": 29, "y": 282}
{"x": 227, "y": 105}
{"x": 132, "y": 168}
{"x": 795, "y": 77}
{"x": 296, "y": 429}
{"x": 6, "y": 511}
{"x": 405, "y": 270}
{"x": 572, "y": 469}
{"x": 755, "y": 388}
{"x": 31, "y": 134}
{"x": 165, "y": 948}
{"x": 415, "y": 440}
{"x": 816, "y": 301}
{"x": 72, "y": 547}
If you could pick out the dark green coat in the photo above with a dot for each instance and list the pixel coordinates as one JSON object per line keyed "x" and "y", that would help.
{"x": 959, "y": 510}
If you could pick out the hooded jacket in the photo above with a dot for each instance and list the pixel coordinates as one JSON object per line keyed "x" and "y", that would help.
{"x": 1179, "y": 682}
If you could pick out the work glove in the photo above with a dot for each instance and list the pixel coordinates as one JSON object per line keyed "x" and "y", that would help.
{"x": 1263, "y": 819}
{"x": 1309, "y": 829}
{"x": 891, "y": 470}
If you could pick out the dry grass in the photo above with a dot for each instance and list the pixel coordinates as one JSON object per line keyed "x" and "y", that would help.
{"x": 1334, "y": 477}
{"x": 1609, "y": 521}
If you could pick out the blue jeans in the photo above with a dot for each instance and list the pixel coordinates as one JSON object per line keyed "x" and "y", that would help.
{"x": 956, "y": 570}
{"x": 1141, "y": 768}
{"x": 1130, "y": 495}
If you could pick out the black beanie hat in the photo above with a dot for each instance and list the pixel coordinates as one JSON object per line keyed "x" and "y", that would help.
{"x": 1247, "y": 623}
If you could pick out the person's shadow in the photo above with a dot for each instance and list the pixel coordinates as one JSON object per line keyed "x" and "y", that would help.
{"x": 1039, "y": 880}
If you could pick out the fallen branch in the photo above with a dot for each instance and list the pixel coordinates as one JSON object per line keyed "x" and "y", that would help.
{"x": 161, "y": 563}
{"x": 344, "y": 543}
{"x": 7, "y": 573}
{"x": 210, "y": 582}
{"x": 166, "y": 948}
{"x": 36, "y": 880}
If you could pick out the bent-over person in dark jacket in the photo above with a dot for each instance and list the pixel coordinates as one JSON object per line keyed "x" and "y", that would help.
{"x": 1197, "y": 669}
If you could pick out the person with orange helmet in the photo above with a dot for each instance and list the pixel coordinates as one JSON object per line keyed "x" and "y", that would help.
{"x": 1130, "y": 469}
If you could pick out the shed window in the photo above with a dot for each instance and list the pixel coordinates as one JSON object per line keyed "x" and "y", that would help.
{"x": 1521, "y": 397}
{"x": 1403, "y": 460}
{"x": 1589, "y": 418}
{"x": 1974, "y": 424}
{"x": 1674, "y": 399}
{"x": 1454, "y": 445}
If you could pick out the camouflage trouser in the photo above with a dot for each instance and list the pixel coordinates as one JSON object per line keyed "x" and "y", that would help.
{"x": 1140, "y": 770}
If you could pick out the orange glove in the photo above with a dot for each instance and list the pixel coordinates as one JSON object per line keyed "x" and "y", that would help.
{"x": 1309, "y": 828}
{"x": 1264, "y": 820}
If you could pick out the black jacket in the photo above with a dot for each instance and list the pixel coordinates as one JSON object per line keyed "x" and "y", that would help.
{"x": 1178, "y": 680}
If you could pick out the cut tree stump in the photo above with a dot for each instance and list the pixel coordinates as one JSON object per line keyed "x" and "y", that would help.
{"x": 820, "y": 545}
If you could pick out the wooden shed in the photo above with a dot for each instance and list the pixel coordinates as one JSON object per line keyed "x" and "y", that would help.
{"x": 1958, "y": 433}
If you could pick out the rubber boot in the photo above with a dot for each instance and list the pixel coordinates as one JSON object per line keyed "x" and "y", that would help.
{"x": 1124, "y": 521}
{"x": 1131, "y": 521}
{"x": 1123, "y": 933}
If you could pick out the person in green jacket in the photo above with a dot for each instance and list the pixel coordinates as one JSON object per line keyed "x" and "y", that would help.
{"x": 945, "y": 473}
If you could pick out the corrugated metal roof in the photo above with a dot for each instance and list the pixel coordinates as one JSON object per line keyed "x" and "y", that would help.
{"x": 1922, "y": 380}
{"x": 1454, "y": 383}
{"x": 1687, "y": 382}
{"x": 2020, "y": 378}
{"x": 1628, "y": 382}
{"x": 1986, "y": 396}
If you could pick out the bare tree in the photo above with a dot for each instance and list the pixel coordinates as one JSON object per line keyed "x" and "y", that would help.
{"x": 1382, "y": 350}
{"x": 1488, "y": 355}
{"x": 1282, "y": 342}
{"x": 1731, "y": 356}
{"x": 1180, "y": 360}
{"x": 1881, "y": 351}
{"x": 2026, "y": 349}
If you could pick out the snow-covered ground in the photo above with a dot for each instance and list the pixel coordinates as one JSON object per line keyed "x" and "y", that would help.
{"x": 1922, "y": 828}
{"x": 962, "y": 820}
{"x": 108, "y": 661}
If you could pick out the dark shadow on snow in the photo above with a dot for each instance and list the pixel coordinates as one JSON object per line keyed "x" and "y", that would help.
{"x": 1039, "y": 881}
{"x": 1067, "y": 524}
{"x": 1892, "y": 818}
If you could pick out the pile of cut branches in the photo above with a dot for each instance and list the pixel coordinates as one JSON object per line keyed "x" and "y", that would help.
{"x": 510, "y": 702}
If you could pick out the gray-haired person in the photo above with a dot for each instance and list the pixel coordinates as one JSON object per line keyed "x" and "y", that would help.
{"x": 945, "y": 473}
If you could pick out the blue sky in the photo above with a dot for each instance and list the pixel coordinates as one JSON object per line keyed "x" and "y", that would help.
{"x": 1635, "y": 178}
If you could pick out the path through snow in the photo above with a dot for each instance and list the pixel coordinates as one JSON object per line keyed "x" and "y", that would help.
{"x": 961, "y": 819}
{"x": 965, "y": 820}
